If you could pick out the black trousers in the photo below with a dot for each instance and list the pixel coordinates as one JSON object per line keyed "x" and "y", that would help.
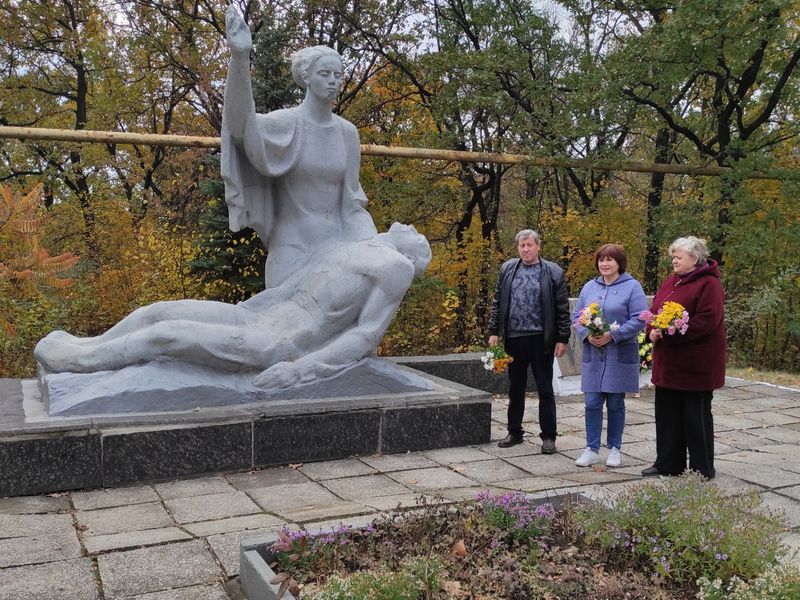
{"x": 527, "y": 351}
{"x": 684, "y": 421}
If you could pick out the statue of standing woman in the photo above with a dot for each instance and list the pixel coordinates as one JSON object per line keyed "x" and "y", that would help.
{"x": 293, "y": 174}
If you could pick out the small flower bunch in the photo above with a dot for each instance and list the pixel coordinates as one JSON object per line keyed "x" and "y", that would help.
{"x": 520, "y": 516}
{"x": 591, "y": 317}
{"x": 645, "y": 352}
{"x": 671, "y": 319}
{"x": 495, "y": 359}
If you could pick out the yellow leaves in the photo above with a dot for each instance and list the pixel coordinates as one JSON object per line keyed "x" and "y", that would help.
{"x": 22, "y": 259}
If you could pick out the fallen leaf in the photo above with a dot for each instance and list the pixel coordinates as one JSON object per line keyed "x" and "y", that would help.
{"x": 458, "y": 469}
{"x": 598, "y": 468}
{"x": 459, "y": 549}
{"x": 412, "y": 481}
{"x": 295, "y": 465}
{"x": 280, "y": 577}
{"x": 453, "y": 588}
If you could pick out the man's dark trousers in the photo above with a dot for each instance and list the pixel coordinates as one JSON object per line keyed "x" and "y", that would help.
{"x": 529, "y": 350}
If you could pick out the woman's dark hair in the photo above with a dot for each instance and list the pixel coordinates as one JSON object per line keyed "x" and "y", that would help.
{"x": 614, "y": 251}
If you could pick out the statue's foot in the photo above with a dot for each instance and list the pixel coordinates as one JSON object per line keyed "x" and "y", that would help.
{"x": 58, "y": 354}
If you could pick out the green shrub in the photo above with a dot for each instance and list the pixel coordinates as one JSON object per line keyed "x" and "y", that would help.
{"x": 685, "y": 529}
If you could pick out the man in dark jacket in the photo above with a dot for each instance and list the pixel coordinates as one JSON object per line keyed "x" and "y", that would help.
{"x": 530, "y": 313}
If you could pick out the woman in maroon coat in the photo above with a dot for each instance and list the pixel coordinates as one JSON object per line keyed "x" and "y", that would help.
{"x": 688, "y": 368}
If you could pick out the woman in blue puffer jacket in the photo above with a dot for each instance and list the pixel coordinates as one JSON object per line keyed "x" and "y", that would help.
{"x": 610, "y": 361}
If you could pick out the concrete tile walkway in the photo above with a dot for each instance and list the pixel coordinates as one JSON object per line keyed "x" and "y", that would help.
{"x": 179, "y": 540}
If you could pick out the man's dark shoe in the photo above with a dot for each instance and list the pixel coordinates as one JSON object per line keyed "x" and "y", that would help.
{"x": 512, "y": 439}
{"x": 651, "y": 472}
{"x": 548, "y": 446}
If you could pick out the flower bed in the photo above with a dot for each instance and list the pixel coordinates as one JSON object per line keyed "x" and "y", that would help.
{"x": 679, "y": 538}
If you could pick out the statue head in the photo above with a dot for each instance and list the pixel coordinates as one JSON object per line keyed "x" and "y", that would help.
{"x": 303, "y": 62}
{"x": 410, "y": 244}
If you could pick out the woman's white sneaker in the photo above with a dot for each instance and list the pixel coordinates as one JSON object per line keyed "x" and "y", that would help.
{"x": 589, "y": 457}
{"x": 614, "y": 458}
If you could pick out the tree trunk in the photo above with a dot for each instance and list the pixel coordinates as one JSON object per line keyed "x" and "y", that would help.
{"x": 664, "y": 138}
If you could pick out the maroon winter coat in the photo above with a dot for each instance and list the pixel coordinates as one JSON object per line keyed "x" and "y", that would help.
{"x": 694, "y": 361}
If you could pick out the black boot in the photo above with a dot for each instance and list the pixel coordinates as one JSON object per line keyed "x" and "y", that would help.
{"x": 512, "y": 439}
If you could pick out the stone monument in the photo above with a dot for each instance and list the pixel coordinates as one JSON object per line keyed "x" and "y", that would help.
{"x": 333, "y": 283}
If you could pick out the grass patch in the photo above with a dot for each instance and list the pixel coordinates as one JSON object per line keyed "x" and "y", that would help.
{"x": 783, "y": 378}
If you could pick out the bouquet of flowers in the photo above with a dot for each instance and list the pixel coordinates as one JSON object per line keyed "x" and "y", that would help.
{"x": 495, "y": 359}
{"x": 591, "y": 317}
{"x": 671, "y": 319}
{"x": 645, "y": 353}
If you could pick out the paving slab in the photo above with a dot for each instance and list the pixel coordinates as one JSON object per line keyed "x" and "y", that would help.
{"x": 334, "y": 469}
{"x": 386, "y": 463}
{"x": 633, "y": 417}
{"x": 225, "y": 547}
{"x": 744, "y": 440}
{"x": 782, "y": 505}
{"x": 39, "y": 548}
{"x": 233, "y": 524}
{"x": 111, "y": 497}
{"x": 786, "y": 435}
{"x": 365, "y": 487}
{"x": 531, "y": 484}
{"x": 390, "y": 503}
{"x": 587, "y": 476}
{"x": 96, "y": 544}
{"x": 266, "y": 478}
{"x": 28, "y": 505}
{"x": 791, "y": 491}
{"x": 279, "y": 499}
{"x": 470, "y": 492}
{"x": 756, "y": 456}
{"x": 135, "y": 517}
{"x": 544, "y": 464}
{"x": 214, "y": 591}
{"x": 638, "y": 452}
{"x": 763, "y": 475}
{"x": 733, "y": 486}
{"x": 157, "y": 568}
{"x": 773, "y": 418}
{"x": 760, "y": 404}
{"x": 357, "y": 522}
{"x": 430, "y": 480}
{"x": 62, "y": 580}
{"x": 193, "y": 487}
{"x": 321, "y": 512}
{"x": 792, "y": 543}
{"x": 25, "y": 525}
{"x": 489, "y": 471}
{"x": 191, "y": 509}
{"x": 530, "y": 445}
{"x": 449, "y": 456}
{"x": 737, "y": 422}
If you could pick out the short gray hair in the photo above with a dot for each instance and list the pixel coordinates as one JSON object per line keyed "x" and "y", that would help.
{"x": 303, "y": 61}
{"x": 693, "y": 246}
{"x": 526, "y": 233}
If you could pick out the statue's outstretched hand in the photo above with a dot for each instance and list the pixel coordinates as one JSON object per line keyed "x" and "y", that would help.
{"x": 236, "y": 31}
{"x": 281, "y": 376}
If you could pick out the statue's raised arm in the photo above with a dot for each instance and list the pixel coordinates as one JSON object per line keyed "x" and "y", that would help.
{"x": 292, "y": 174}
{"x": 238, "y": 99}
